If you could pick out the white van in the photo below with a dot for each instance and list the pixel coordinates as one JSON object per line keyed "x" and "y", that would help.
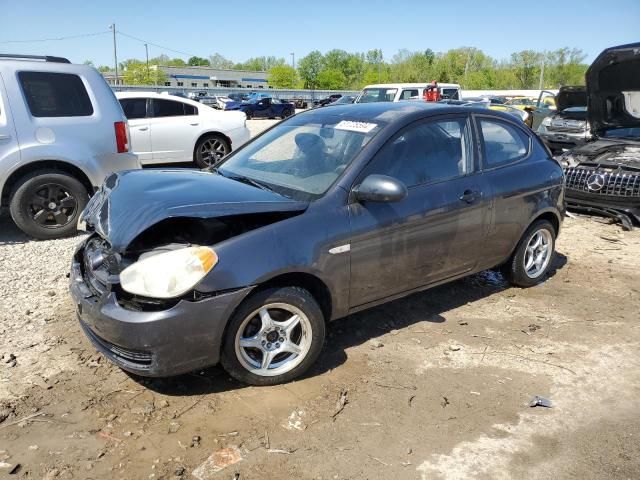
{"x": 396, "y": 92}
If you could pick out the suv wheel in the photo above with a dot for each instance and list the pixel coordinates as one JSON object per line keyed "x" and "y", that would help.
{"x": 531, "y": 261}
{"x": 210, "y": 150}
{"x": 274, "y": 337}
{"x": 46, "y": 204}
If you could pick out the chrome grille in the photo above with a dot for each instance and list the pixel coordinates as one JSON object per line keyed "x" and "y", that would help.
{"x": 615, "y": 184}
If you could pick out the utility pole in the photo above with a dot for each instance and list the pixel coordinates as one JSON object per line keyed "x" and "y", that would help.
{"x": 146, "y": 50}
{"x": 112, "y": 27}
{"x": 541, "y": 84}
{"x": 379, "y": 63}
{"x": 293, "y": 60}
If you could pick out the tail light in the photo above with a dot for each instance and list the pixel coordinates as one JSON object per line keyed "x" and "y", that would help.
{"x": 122, "y": 139}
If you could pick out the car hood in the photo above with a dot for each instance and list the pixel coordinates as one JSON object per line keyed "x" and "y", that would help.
{"x": 130, "y": 202}
{"x": 569, "y": 97}
{"x": 613, "y": 88}
{"x": 609, "y": 153}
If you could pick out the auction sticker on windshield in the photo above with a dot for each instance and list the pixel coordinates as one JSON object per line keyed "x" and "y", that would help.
{"x": 362, "y": 127}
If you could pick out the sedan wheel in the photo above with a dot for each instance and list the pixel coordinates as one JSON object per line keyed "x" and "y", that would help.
{"x": 274, "y": 337}
{"x": 210, "y": 150}
{"x": 538, "y": 253}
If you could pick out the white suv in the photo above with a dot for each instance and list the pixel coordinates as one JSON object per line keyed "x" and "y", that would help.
{"x": 62, "y": 131}
{"x": 169, "y": 129}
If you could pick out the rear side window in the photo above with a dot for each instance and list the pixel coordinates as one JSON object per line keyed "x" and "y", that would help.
{"x": 503, "y": 143}
{"x": 55, "y": 94}
{"x": 134, "y": 107}
{"x": 169, "y": 108}
{"x": 450, "y": 93}
{"x": 407, "y": 94}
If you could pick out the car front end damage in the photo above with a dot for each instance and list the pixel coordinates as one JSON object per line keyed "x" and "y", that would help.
{"x": 604, "y": 178}
{"x": 148, "y": 317}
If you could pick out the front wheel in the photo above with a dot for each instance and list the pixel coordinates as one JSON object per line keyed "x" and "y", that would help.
{"x": 249, "y": 114}
{"x": 531, "y": 261}
{"x": 274, "y": 337}
{"x": 286, "y": 113}
{"x": 210, "y": 150}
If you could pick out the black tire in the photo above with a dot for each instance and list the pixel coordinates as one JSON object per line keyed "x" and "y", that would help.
{"x": 46, "y": 204}
{"x": 249, "y": 114}
{"x": 286, "y": 113}
{"x": 293, "y": 296}
{"x": 210, "y": 149}
{"x": 515, "y": 270}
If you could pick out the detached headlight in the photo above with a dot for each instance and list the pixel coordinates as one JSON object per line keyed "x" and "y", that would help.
{"x": 170, "y": 274}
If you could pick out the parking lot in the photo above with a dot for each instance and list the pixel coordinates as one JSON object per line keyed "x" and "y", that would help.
{"x": 432, "y": 386}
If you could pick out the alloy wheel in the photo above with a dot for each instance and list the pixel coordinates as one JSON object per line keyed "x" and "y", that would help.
{"x": 212, "y": 150}
{"x": 273, "y": 339}
{"x": 538, "y": 253}
{"x": 52, "y": 206}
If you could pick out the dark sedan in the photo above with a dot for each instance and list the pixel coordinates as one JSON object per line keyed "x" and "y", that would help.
{"x": 327, "y": 213}
{"x": 265, "y": 108}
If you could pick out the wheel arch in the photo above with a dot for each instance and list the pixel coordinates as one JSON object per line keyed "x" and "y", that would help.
{"x": 59, "y": 165}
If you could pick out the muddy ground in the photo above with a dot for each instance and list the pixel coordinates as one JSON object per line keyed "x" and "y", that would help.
{"x": 434, "y": 386}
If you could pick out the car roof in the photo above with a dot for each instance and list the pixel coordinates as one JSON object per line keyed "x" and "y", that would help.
{"x": 164, "y": 96}
{"x": 411, "y": 85}
{"x": 391, "y": 112}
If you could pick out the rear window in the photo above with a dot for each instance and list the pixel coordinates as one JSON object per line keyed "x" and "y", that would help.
{"x": 55, "y": 94}
{"x": 170, "y": 108}
{"x": 503, "y": 143}
{"x": 370, "y": 95}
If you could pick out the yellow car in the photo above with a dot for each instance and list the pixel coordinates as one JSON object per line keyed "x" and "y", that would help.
{"x": 522, "y": 102}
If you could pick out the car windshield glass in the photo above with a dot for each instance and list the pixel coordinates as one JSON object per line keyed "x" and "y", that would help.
{"x": 300, "y": 161}
{"x": 377, "y": 95}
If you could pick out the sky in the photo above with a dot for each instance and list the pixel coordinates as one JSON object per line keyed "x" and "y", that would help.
{"x": 240, "y": 30}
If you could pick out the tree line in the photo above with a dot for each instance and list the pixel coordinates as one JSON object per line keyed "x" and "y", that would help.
{"x": 340, "y": 70}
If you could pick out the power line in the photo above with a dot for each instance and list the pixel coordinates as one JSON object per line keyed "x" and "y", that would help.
{"x": 82, "y": 35}
{"x": 120, "y": 32}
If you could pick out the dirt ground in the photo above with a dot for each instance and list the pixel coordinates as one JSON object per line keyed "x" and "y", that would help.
{"x": 434, "y": 386}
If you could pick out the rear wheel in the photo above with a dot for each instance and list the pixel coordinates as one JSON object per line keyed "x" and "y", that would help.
{"x": 210, "y": 150}
{"x": 47, "y": 203}
{"x": 531, "y": 261}
{"x": 274, "y": 337}
{"x": 286, "y": 113}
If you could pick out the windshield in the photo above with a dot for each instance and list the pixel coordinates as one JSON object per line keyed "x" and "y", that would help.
{"x": 370, "y": 95}
{"x": 300, "y": 161}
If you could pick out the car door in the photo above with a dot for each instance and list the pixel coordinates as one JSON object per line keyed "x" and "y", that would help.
{"x": 263, "y": 108}
{"x": 438, "y": 231}
{"x": 135, "y": 109}
{"x": 9, "y": 146}
{"x": 514, "y": 182}
{"x": 175, "y": 127}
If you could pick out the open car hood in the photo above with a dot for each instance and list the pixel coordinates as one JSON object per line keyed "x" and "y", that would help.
{"x": 613, "y": 87}
{"x": 130, "y": 202}
{"x": 569, "y": 97}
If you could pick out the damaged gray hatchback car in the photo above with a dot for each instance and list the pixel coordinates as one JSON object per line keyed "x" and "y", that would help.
{"x": 327, "y": 213}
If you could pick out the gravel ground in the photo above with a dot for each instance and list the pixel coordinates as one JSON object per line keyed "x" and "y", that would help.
{"x": 428, "y": 387}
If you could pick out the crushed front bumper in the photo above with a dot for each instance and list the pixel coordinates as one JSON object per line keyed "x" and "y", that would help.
{"x": 180, "y": 339}
{"x": 627, "y": 213}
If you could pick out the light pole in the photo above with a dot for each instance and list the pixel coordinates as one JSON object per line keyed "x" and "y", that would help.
{"x": 112, "y": 27}
{"x": 293, "y": 60}
{"x": 146, "y": 50}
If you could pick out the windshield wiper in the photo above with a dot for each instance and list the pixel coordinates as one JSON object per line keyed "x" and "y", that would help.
{"x": 251, "y": 181}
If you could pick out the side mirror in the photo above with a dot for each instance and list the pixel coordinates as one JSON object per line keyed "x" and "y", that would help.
{"x": 380, "y": 188}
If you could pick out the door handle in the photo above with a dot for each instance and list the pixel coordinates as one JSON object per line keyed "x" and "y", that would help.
{"x": 143, "y": 129}
{"x": 194, "y": 124}
{"x": 470, "y": 196}
{"x": 5, "y": 137}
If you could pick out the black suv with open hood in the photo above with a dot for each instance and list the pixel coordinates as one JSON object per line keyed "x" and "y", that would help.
{"x": 567, "y": 127}
{"x": 603, "y": 176}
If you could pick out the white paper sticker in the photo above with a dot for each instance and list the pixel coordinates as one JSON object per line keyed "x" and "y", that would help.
{"x": 362, "y": 127}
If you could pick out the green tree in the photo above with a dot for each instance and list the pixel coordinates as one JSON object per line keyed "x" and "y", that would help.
{"x": 198, "y": 62}
{"x": 331, "y": 79}
{"x": 260, "y": 64}
{"x": 309, "y": 67}
{"x": 136, "y": 73}
{"x": 88, "y": 62}
{"x": 104, "y": 68}
{"x": 218, "y": 61}
{"x": 526, "y": 65}
{"x": 283, "y": 76}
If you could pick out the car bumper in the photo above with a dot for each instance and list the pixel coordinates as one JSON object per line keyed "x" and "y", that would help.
{"x": 625, "y": 209}
{"x": 239, "y": 136}
{"x": 564, "y": 140}
{"x": 180, "y": 339}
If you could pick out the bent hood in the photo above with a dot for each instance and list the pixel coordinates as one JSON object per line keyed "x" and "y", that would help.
{"x": 130, "y": 202}
{"x": 569, "y": 97}
{"x": 613, "y": 88}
